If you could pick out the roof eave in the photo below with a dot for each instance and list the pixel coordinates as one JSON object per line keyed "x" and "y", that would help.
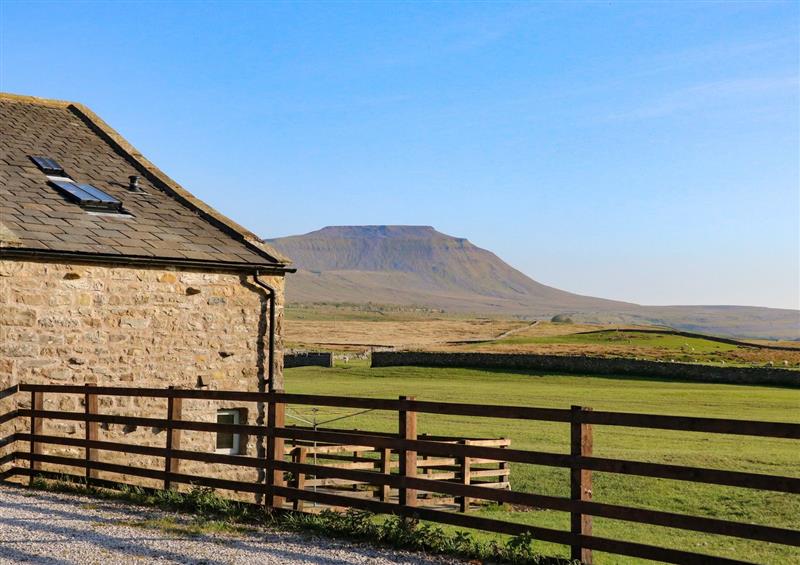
{"x": 22, "y": 253}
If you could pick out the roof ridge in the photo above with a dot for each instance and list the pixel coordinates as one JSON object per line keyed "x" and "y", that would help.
{"x": 183, "y": 196}
{"x": 52, "y": 102}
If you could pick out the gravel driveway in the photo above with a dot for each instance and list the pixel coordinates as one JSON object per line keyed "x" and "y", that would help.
{"x": 57, "y": 529}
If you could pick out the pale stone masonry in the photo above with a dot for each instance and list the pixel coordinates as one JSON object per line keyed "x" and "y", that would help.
{"x": 118, "y": 326}
{"x": 121, "y": 326}
{"x": 164, "y": 294}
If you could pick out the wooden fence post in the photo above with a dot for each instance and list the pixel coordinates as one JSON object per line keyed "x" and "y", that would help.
{"x": 37, "y": 403}
{"x": 466, "y": 470}
{"x": 174, "y": 410}
{"x": 580, "y": 482}
{"x": 386, "y": 469}
{"x": 91, "y": 429}
{"x": 276, "y": 418}
{"x": 408, "y": 458}
{"x": 299, "y": 456}
{"x": 507, "y": 477}
{"x": 355, "y": 485}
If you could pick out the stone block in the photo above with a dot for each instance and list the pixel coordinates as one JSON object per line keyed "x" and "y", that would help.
{"x": 168, "y": 278}
{"x": 31, "y": 299}
{"x": 18, "y": 349}
{"x": 135, "y": 323}
{"x": 62, "y": 320}
{"x": 17, "y": 316}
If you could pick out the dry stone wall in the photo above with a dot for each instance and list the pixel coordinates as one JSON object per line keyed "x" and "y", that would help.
{"x": 136, "y": 327}
{"x": 589, "y": 366}
{"x": 309, "y": 359}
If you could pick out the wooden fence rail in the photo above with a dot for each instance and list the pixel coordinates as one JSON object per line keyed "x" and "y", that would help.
{"x": 381, "y": 473}
{"x": 467, "y": 470}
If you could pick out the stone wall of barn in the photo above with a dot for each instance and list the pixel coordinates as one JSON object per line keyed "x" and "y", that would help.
{"x": 135, "y": 327}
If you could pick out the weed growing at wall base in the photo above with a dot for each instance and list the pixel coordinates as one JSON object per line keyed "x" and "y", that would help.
{"x": 404, "y": 533}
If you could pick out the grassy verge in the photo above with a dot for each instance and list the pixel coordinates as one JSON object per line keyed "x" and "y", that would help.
{"x": 641, "y": 345}
{"x": 210, "y": 514}
{"x": 668, "y": 342}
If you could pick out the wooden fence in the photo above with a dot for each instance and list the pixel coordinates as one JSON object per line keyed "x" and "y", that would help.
{"x": 410, "y": 447}
{"x": 487, "y": 473}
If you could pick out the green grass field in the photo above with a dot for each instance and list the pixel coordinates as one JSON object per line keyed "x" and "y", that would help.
{"x": 742, "y": 453}
{"x": 632, "y": 338}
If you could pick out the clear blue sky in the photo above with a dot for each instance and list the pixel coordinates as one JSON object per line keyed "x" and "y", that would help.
{"x": 639, "y": 151}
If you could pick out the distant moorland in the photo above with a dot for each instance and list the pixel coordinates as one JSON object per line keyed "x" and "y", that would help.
{"x": 416, "y": 268}
{"x": 352, "y": 330}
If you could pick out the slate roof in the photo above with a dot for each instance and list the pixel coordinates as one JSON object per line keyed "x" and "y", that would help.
{"x": 166, "y": 222}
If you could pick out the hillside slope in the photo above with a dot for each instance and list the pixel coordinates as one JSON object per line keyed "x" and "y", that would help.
{"x": 418, "y": 266}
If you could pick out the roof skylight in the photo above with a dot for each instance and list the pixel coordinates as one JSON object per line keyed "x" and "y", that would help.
{"x": 88, "y": 196}
{"x": 48, "y": 166}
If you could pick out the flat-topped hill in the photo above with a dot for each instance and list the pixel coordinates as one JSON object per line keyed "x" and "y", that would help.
{"x": 419, "y": 266}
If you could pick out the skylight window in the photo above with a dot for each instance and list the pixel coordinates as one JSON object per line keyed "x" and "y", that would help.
{"x": 88, "y": 196}
{"x": 48, "y": 166}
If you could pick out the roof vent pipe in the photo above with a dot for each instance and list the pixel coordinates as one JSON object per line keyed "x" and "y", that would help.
{"x": 133, "y": 186}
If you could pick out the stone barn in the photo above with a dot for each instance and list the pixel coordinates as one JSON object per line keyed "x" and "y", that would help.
{"x": 113, "y": 274}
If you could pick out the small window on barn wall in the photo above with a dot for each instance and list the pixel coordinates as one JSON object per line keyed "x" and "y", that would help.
{"x": 228, "y": 443}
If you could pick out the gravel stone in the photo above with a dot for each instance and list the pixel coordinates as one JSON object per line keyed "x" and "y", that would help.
{"x": 58, "y": 529}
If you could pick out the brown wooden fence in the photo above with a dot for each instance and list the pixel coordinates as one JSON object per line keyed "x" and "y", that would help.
{"x": 277, "y": 493}
{"x": 486, "y": 473}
